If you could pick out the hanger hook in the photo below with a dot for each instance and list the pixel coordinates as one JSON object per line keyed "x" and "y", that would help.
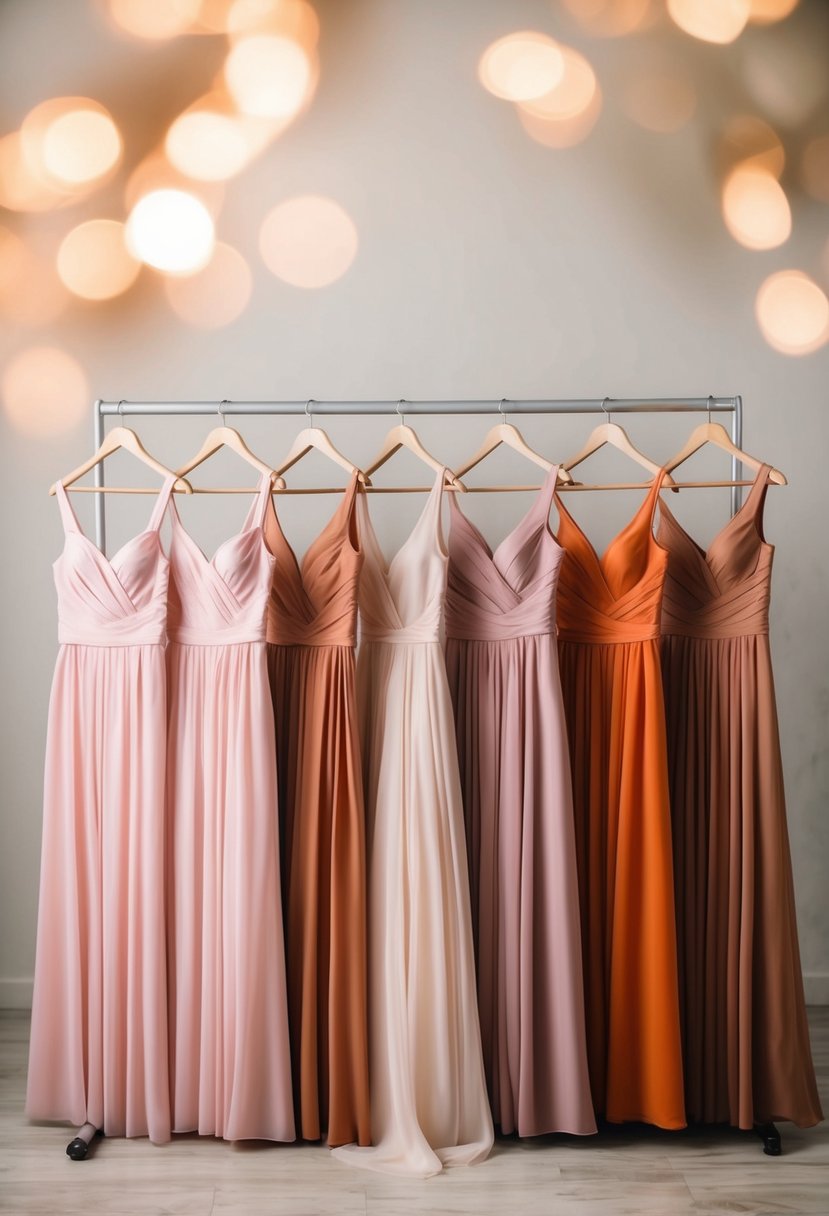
{"x": 221, "y": 413}
{"x": 605, "y": 410}
{"x": 501, "y": 409}
{"x": 309, "y": 413}
{"x": 121, "y": 407}
{"x": 710, "y": 399}
{"x": 399, "y": 411}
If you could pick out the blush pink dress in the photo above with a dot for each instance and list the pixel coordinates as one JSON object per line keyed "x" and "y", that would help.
{"x": 98, "y": 1050}
{"x": 229, "y": 1050}
{"x": 428, "y": 1091}
{"x": 515, "y": 771}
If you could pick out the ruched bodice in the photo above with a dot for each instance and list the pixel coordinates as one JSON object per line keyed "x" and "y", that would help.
{"x": 722, "y": 592}
{"x": 117, "y": 602}
{"x": 617, "y": 597}
{"x": 224, "y": 599}
{"x": 314, "y": 603}
{"x": 508, "y": 593}
{"x": 403, "y": 601}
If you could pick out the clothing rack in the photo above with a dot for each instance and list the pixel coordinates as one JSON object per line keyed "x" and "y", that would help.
{"x": 607, "y": 405}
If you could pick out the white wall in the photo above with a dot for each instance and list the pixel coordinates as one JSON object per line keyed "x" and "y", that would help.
{"x": 488, "y": 266}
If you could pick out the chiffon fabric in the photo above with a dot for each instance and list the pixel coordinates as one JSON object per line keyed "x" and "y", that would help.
{"x": 608, "y": 620}
{"x": 429, "y": 1099}
{"x": 229, "y": 1048}
{"x": 745, "y": 1035}
{"x": 312, "y": 618}
{"x": 98, "y": 1049}
{"x": 511, "y": 737}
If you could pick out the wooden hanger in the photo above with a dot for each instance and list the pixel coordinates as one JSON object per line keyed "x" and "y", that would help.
{"x": 122, "y": 437}
{"x": 715, "y": 433}
{"x": 504, "y": 433}
{"x": 611, "y": 434}
{"x": 404, "y": 436}
{"x": 228, "y": 437}
{"x": 316, "y": 439}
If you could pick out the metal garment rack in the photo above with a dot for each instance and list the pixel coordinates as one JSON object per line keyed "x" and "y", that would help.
{"x": 607, "y": 405}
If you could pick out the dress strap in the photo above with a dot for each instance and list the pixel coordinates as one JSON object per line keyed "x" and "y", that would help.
{"x": 546, "y": 494}
{"x": 161, "y": 503}
{"x": 259, "y": 505}
{"x": 653, "y": 494}
{"x": 67, "y": 511}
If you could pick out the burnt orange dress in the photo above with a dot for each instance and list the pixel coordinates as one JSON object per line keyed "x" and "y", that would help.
{"x": 745, "y": 1034}
{"x": 312, "y": 618}
{"x": 608, "y": 627}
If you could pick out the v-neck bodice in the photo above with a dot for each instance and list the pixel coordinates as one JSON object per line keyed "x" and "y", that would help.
{"x": 510, "y": 592}
{"x": 314, "y": 602}
{"x": 616, "y": 597}
{"x": 724, "y": 591}
{"x": 222, "y": 599}
{"x": 403, "y": 601}
{"x": 117, "y": 602}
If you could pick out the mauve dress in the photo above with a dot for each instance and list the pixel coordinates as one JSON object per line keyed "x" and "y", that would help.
{"x": 745, "y": 1035}
{"x": 608, "y": 624}
{"x": 502, "y": 666}
{"x": 230, "y": 1070}
{"x": 98, "y": 1048}
{"x": 312, "y": 619}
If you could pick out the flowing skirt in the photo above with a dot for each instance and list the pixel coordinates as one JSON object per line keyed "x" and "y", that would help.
{"x": 98, "y": 1050}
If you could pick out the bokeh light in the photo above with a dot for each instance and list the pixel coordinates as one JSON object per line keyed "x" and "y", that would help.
{"x": 784, "y": 73}
{"x": 30, "y": 291}
{"x": 94, "y": 262}
{"x": 755, "y": 208}
{"x": 718, "y": 21}
{"x": 521, "y": 66}
{"x": 659, "y": 101}
{"x": 814, "y": 168}
{"x": 45, "y": 392}
{"x": 172, "y": 231}
{"x": 20, "y": 188}
{"x": 70, "y": 143}
{"x": 293, "y": 19}
{"x": 611, "y": 18}
{"x": 156, "y": 173}
{"x": 765, "y": 12}
{"x": 567, "y": 113}
{"x": 793, "y": 313}
{"x": 155, "y": 19}
{"x": 749, "y": 140}
{"x": 216, "y": 295}
{"x": 268, "y": 76}
{"x": 308, "y": 241}
{"x": 207, "y": 145}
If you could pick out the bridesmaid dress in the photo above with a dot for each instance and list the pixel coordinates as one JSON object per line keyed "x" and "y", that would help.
{"x": 98, "y": 1050}
{"x": 608, "y": 623}
{"x": 745, "y": 1036}
{"x": 515, "y": 771}
{"x": 229, "y": 1048}
{"x": 312, "y": 620}
{"x": 429, "y": 1100}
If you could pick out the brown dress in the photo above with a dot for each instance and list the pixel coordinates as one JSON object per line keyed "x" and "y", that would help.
{"x": 745, "y": 1036}
{"x": 311, "y": 643}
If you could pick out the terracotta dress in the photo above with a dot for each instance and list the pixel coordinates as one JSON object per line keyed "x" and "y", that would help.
{"x": 515, "y": 772}
{"x": 98, "y": 1049}
{"x": 608, "y": 622}
{"x": 745, "y": 1036}
{"x": 312, "y": 622}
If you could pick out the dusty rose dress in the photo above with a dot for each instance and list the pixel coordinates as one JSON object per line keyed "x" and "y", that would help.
{"x": 312, "y": 622}
{"x": 429, "y": 1105}
{"x": 503, "y": 672}
{"x": 98, "y": 1050}
{"x": 229, "y": 1051}
{"x": 745, "y": 1036}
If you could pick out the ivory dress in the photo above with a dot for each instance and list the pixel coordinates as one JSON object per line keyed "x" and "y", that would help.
{"x": 515, "y": 772}
{"x": 98, "y": 1049}
{"x": 229, "y": 1050}
{"x": 429, "y": 1100}
{"x": 312, "y": 620}
{"x": 745, "y": 1035}
{"x": 608, "y": 624}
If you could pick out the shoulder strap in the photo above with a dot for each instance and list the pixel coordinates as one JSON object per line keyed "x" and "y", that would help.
{"x": 435, "y": 504}
{"x": 259, "y": 506}
{"x": 544, "y": 501}
{"x": 653, "y": 494}
{"x": 161, "y": 503}
{"x": 67, "y": 513}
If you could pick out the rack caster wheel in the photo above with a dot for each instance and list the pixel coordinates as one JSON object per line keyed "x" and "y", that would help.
{"x": 770, "y": 1136}
{"x": 78, "y": 1148}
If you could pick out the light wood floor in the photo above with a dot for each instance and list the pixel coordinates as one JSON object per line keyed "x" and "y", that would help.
{"x": 630, "y": 1171}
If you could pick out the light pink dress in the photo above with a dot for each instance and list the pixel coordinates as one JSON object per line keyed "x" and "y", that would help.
{"x": 503, "y": 672}
{"x": 98, "y": 1050}
{"x": 230, "y": 1067}
{"x": 429, "y": 1104}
